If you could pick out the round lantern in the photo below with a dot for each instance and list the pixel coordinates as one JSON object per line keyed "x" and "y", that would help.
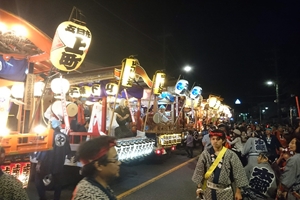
{"x": 212, "y": 101}
{"x": 38, "y": 88}
{"x": 70, "y": 46}
{"x": 217, "y": 105}
{"x": 4, "y": 106}
{"x": 74, "y": 92}
{"x": 59, "y": 85}
{"x": 17, "y": 90}
{"x": 85, "y": 91}
{"x": 96, "y": 90}
{"x": 195, "y": 92}
{"x": 181, "y": 87}
{"x": 111, "y": 88}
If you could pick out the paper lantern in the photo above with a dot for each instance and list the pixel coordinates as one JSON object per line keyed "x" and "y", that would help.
{"x": 4, "y": 106}
{"x": 38, "y": 88}
{"x": 74, "y": 92}
{"x": 70, "y": 45}
{"x": 96, "y": 90}
{"x": 128, "y": 76}
{"x": 159, "y": 82}
{"x": 195, "y": 92}
{"x": 212, "y": 101}
{"x": 217, "y": 105}
{"x": 59, "y": 85}
{"x": 111, "y": 88}
{"x": 17, "y": 90}
{"x": 181, "y": 87}
{"x": 86, "y": 91}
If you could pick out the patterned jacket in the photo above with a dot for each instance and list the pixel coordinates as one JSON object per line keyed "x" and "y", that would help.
{"x": 229, "y": 170}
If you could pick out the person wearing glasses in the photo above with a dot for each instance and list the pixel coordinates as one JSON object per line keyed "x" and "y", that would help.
{"x": 100, "y": 166}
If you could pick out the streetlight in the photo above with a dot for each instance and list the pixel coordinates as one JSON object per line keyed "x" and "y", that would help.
{"x": 277, "y": 97}
{"x": 187, "y": 68}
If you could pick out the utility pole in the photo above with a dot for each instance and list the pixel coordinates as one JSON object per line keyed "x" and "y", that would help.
{"x": 276, "y": 85}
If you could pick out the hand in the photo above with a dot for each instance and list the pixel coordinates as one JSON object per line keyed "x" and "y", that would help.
{"x": 238, "y": 195}
{"x": 199, "y": 191}
{"x": 126, "y": 116}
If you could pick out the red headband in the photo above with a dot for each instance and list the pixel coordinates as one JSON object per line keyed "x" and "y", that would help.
{"x": 215, "y": 134}
{"x": 100, "y": 154}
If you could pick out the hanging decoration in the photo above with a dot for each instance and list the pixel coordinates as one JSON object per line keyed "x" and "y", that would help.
{"x": 159, "y": 82}
{"x": 111, "y": 88}
{"x": 181, "y": 87}
{"x": 129, "y": 66}
{"x": 70, "y": 44}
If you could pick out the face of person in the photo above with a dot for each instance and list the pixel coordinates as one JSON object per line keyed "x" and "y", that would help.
{"x": 286, "y": 156}
{"x": 216, "y": 142}
{"x": 292, "y": 145}
{"x": 112, "y": 169}
{"x": 259, "y": 159}
{"x": 268, "y": 132}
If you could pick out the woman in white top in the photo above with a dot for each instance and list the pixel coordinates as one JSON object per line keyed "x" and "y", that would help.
{"x": 237, "y": 145}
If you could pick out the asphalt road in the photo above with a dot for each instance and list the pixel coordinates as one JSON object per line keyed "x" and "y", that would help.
{"x": 147, "y": 180}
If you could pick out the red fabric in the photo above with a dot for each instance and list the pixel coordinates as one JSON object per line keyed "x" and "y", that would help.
{"x": 80, "y": 115}
{"x": 100, "y": 154}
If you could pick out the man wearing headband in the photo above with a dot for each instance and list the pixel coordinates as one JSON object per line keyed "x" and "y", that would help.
{"x": 100, "y": 166}
{"x": 229, "y": 169}
{"x": 10, "y": 187}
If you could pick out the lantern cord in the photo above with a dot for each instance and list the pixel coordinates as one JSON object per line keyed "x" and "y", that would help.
{"x": 39, "y": 101}
{"x": 78, "y": 16}
{"x": 148, "y": 107}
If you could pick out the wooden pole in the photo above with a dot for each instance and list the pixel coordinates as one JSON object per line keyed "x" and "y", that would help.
{"x": 297, "y": 103}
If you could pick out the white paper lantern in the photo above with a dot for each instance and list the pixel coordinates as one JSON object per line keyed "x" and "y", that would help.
{"x": 181, "y": 87}
{"x": 17, "y": 90}
{"x": 59, "y": 85}
{"x": 70, "y": 46}
{"x": 38, "y": 88}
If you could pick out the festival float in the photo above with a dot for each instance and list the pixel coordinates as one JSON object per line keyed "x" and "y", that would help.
{"x": 23, "y": 56}
{"x": 39, "y": 82}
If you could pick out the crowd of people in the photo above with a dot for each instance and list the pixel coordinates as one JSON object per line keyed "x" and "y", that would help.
{"x": 249, "y": 161}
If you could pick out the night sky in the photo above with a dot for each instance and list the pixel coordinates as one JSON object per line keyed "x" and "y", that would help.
{"x": 233, "y": 46}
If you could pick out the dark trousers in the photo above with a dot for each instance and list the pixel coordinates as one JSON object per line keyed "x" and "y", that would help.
{"x": 56, "y": 185}
{"x": 189, "y": 151}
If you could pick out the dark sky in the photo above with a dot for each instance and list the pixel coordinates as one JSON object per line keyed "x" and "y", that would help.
{"x": 234, "y": 46}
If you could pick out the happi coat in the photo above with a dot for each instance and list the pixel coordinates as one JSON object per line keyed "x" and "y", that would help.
{"x": 291, "y": 176}
{"x": 262, "y": 179}
{"x": 229, "y": 170}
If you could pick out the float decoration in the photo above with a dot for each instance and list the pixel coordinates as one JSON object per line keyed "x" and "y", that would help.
{"x": 70, "y": 44}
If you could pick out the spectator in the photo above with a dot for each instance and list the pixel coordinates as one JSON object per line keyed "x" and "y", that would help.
{"x": 10, "y": 187}
{"x": 189, "y": 144}
{"x": 237, "y": 145}
{"x": 253, "y": 147}
{"x": 205, "y": 138}
{"x": 100, "y": 166}
{"x": 262, "y": 179}
{"x": 290, "y": 179}
{"x": 219, "y": 181}
{"x": 272, "y": 143}
{"x": 52, "y": 162}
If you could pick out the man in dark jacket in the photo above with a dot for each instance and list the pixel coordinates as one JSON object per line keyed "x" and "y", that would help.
{"x": 52, "y": 163}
